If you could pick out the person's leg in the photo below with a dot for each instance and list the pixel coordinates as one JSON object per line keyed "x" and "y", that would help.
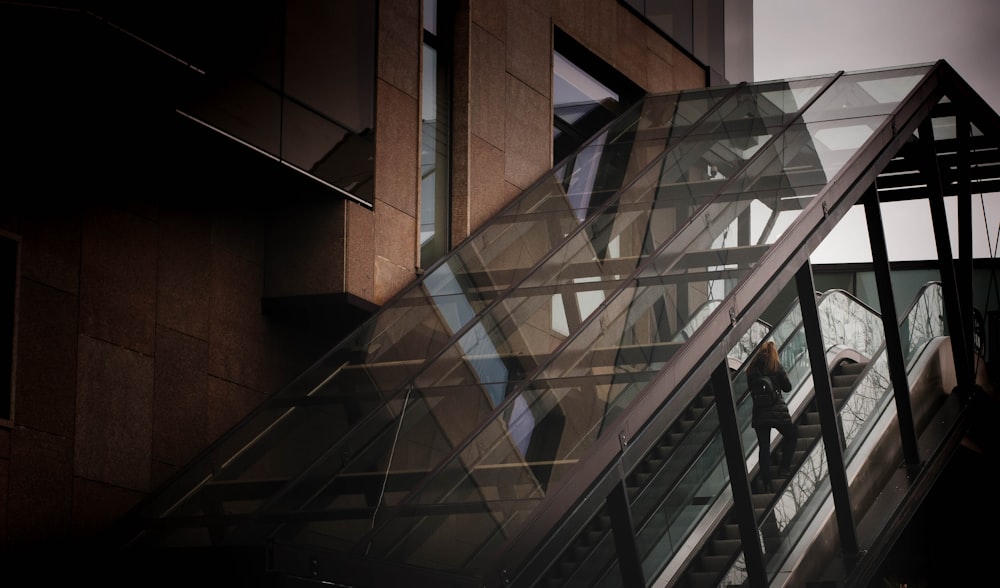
{"x": 764, "y": 456}
{"x": 789, "y": 439}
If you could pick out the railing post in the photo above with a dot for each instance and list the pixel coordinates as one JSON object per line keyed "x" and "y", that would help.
{"x": 739, "y": 481}
{"x": 949, "y": 281}
{"x": 629, "y": 562}
{"x": 890, "y": 324}
{"x": 833, "y": 437}
{"x": 964, "y": 272}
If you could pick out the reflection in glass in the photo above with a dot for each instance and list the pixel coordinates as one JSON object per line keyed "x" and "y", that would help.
{"x": 435, "y": 141}
{"x": 262, "y": 89}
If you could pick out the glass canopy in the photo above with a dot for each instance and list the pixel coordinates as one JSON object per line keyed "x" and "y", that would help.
{"x": 438, "y": 431}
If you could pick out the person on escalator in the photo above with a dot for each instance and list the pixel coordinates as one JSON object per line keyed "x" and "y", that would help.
{"x": 772, "y": 413}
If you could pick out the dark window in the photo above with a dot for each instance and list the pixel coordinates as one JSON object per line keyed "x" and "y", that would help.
{"x": 587, "y": 94}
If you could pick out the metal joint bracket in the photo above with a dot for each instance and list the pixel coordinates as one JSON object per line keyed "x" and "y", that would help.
{"x": 623, "y": 440}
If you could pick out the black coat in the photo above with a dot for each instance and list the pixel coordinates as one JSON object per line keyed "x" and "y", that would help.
{"x": 777, "y": 413}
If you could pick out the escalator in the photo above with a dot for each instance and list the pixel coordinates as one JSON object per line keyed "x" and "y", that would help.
{"x": 861, "y": 393}
{"x": 556, "y": 371}
{"x": 857, "y": 366}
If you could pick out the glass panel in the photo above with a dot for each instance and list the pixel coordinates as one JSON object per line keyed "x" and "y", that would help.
{"x": 865, "y": 94}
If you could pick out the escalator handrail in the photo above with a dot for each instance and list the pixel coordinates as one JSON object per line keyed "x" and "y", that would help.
{"x": 790, "y": 316}
{"x": 868, "y": 423}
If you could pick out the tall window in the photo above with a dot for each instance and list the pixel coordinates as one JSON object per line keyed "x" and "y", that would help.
{"x": 435, "y": 143}
{"x": 8, "y": 298}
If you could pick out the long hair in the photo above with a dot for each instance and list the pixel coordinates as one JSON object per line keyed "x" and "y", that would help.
{"x": 767, "y": 358}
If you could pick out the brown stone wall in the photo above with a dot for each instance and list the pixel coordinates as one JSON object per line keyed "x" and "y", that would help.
{"x": 397, "y": 148}
{"x": 140, "y": 340}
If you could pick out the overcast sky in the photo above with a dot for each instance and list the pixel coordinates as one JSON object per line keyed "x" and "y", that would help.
{"x": 808, "y": 37}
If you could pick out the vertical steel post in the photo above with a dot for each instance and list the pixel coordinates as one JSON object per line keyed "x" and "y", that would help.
{"x": 949, "y": 281}
{"x": 629, "y": 562}
{"x": 833, "y": 437}
{"x": 890, "y": 324}
{"x": 739, "y": 481}
{"x": 963, "y": 133}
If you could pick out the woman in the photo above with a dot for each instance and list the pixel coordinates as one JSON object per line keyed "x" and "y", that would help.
{"x": 776, "y": 416}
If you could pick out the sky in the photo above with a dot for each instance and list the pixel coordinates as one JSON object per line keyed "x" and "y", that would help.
{"x": 795, "y": 38}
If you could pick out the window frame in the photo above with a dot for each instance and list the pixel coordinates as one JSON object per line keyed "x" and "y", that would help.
{"x": 10, "y": 253}
{"x": 566, "y": 136}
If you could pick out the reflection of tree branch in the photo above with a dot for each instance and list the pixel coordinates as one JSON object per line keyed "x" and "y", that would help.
{"x": 845, "y": 322}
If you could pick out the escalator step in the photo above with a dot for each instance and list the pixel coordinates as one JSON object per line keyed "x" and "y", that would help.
{"x": 843, "y": 380}
{"x": 809, "y": 432}
{"x": 730, "y": 531}
{"x": 702, "y": 580}
{"x": 662, "y": 451}
{"x": 852, "y": 368}
{"x": 676, "y": 439}
{"x": 715, "y": 563}
{"x": 841, "y": 392}
{"x": 725, "y": 546}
